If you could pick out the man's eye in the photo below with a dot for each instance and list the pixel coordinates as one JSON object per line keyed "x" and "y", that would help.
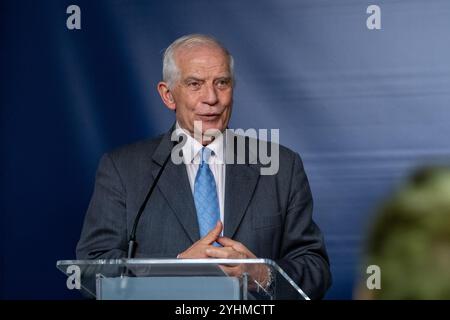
{"x": 223, "y": 83}
{"x": 194, "y": 85}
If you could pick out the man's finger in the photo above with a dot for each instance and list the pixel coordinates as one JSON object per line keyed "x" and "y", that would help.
{"x": 236, "y": 245}
{"x": 224, "y": 253}
{"x": 213, "y": 234}
{"x": 220, "y": 253}
{"x": 226, "y": 242}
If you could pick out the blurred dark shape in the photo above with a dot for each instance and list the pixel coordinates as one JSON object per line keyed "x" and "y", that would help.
{"x": 410, "y": 239}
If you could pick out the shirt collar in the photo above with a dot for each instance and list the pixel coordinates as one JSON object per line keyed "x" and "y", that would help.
{"x": 192, "y": 148}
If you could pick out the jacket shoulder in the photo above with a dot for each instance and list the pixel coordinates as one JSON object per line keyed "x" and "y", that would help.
{"x": 285, "y": 154}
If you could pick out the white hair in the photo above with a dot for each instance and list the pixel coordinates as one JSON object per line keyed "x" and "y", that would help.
{"x": 171, "y": 73}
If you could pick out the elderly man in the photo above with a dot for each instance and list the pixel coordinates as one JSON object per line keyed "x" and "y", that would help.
{"x": 204, "y": 207}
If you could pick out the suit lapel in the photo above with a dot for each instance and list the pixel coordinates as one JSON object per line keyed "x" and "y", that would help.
{"x": 174, "y": 186}
{"x": 240, "y": 183}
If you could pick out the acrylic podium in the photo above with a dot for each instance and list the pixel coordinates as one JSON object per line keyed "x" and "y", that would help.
{"x": 178, "y": 279}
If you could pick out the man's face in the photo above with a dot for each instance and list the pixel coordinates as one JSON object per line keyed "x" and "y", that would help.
{"x": 204, "y": 91}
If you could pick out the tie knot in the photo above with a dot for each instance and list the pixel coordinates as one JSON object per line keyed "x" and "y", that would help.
{"x": 206, "y": 153}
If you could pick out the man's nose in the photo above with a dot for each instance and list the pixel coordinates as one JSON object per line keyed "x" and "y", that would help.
{"x": 210, "y": 95}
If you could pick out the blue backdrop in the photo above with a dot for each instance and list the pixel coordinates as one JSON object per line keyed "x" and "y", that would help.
{"x": 362, "y": 107}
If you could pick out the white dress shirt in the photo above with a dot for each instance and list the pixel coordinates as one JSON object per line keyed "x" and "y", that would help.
{"x": 192, "y": 158}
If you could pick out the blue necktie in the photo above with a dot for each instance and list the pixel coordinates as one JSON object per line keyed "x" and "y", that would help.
{"x": 205, "y": 196}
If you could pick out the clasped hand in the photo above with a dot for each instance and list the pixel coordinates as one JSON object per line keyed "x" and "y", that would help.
{"x": 230, "y": 249}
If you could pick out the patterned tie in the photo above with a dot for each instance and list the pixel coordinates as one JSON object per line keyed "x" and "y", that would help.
{"x": 205, "y": 196}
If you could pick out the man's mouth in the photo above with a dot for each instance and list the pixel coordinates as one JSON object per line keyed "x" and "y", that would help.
{"x": 208, "y": 116}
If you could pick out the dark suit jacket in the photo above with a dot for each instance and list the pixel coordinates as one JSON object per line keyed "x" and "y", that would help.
{"x": 270, "y": 215}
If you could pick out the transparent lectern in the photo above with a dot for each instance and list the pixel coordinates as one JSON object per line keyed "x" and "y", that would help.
{"x": 179, "y": 279}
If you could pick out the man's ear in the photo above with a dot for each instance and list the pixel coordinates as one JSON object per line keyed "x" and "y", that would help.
{"x": 166, "y": 95}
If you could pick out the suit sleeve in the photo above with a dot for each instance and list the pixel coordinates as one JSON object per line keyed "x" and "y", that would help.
{"x": 104, "y": 230}
{"x": 303, "y": 254}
